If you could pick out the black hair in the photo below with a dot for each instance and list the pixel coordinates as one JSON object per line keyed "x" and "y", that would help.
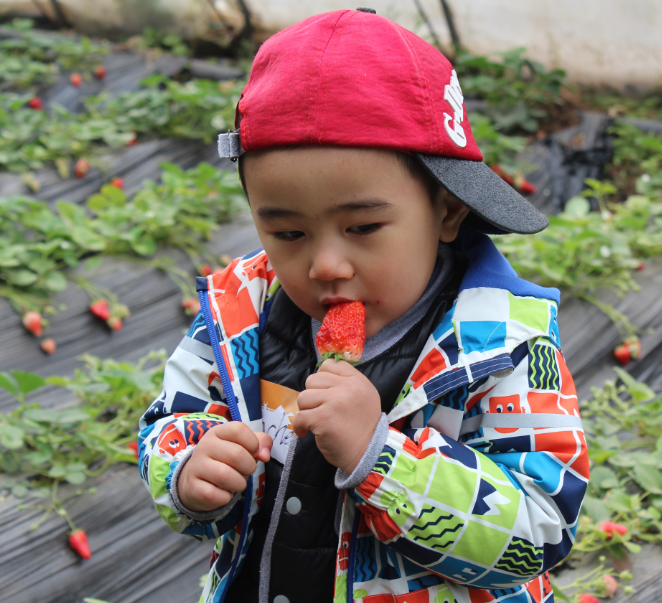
{"x": 408, "y": 162}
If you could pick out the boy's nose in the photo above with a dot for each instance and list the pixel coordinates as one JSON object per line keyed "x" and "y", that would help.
{"x": 328, "y": 265}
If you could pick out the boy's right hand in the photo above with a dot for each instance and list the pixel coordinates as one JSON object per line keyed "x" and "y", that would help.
{"x": 219, "y": 465}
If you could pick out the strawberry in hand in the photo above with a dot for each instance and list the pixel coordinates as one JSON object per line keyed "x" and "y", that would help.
{"x": 340, "y": 405}
{"x": 342, "y": 334}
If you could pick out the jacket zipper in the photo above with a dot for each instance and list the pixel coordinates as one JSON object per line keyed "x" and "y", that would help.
{"x": 203, "y": 287}
{"x": 352, "y": 555}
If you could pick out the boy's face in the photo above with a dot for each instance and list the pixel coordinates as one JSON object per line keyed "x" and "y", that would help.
{"x": 342, "y": 224}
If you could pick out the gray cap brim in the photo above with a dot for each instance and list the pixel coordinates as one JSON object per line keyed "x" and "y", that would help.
{"x": 497, "y": 207}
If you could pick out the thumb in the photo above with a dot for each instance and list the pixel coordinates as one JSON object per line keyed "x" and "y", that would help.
{"x": 265, "y": 442}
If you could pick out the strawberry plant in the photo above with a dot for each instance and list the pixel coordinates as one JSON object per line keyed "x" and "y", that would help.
{"x": 519, "y": 92}
{"x": 30, "y": 59}
{"x": 40, "y": 243}
{"x": 45, "y": 446}
{"x": 198, "y": 109}
{"x": 582, "y": 252}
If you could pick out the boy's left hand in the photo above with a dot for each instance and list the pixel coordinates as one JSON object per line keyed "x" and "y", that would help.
{"x": 342, "y": 408}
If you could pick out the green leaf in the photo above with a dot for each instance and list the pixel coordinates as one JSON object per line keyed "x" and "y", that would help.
{"x": 558, "y": 592}
{"x": 21, "y": 278}
{"x": 19, "y": 491}
{"x": 9, "y": 383}
{"x": 72, "y": 415}
{"x": 577, "y": 207}
{"x": 114, "y": 195}
{"x": 649, "y": 478}
{"x": 97, "y": 203}
{"x": 11, "y": 437}
{"x": 640, "y": 391}
{"x": 596, "y": 509}
{"x": 56, "y": 281}
{"x": 145, "y": 246}
{"x": 75, "y": 477}
{"x": 28, "y": 382}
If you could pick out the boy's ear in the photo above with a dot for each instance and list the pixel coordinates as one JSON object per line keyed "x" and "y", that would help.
{"x": 456, "y": 212}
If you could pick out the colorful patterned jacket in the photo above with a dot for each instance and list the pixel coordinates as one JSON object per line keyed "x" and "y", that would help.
{"x": 478, "y": 488}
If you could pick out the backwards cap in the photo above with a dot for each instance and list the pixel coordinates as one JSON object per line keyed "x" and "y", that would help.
{"x": 355, "y": 79}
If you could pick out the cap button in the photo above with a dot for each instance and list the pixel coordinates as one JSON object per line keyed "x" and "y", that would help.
{"x": 365, "y": 9}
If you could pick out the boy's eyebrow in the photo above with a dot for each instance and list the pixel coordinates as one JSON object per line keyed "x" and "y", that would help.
{"x": 362, "y": 205}
{"x": 272, "y": 213}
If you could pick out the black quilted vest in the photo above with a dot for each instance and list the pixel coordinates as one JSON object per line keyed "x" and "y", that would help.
{"x": 303, "y": 557}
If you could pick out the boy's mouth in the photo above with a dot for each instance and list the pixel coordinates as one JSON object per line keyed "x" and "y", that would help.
{"x": 327, "y": 302}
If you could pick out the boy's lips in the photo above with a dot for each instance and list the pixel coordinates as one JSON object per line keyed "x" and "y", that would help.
{"x": 330, "y": 301}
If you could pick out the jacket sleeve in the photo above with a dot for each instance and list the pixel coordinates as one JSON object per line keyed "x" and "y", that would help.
{"x": 500, "y": 506}
{"x": 190, "y": 404}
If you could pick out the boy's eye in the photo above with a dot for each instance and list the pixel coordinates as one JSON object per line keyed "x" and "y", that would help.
{"x": 363, "y": 229}
{"x": 288, "y": 235}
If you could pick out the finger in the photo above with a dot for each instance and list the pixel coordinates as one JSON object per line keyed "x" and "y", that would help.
{"x": 311, "y": 398}
{"x": 233, "y": 455}
{"x": 239, "y": 433}
{"x": 266, "y": 442}
{"x": 337, "y": 367}
{"x": 222, "y": 476}
{"x": 323, "y": 380}
{"x": 303, "y": 422}
{"x": 205, "y": 496}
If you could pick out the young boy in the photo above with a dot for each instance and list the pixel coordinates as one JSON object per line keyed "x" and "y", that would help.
{"x": 450, "y": 464}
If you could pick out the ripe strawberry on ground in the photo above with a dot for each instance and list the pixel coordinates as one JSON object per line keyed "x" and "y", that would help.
{"x": 115, "y": 323}
{"x": 76, "y": 79}
{"x": 100, "y": 72}
{"x": 35, "y": 103}
{"x": 622, "y": 354}
{"x": 342, "y": 334}
{"x": 191, "y": 305}
{"x": 48, "y": 346}
{"x": 133, "y": 141}
{"x": 100, "y": 309}
{"x": 206, "y": 270}
{"x": 33, "y": 322}
{"x": 524, "y": 186}
{"x": 82, "y": 167}
{"x": 117, "y": 183}
{"x": 609, "y": 527}
{"x": 588, "y": 599}
{"x": 78, "y": 542}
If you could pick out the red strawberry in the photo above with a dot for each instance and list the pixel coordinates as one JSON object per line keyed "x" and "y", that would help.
{"x": 588, "y": 599}
{"x": 622, "y": 354}
{"x": 100, "y": 309}
{"x": 498, "y": 170}
{"x": 35, "y": 103}
{"x": 100, "y": 72}
{"x": 78, "y": 542}
{"x": 342, "y": 333}
{"x": 82, "y": 167}
{"x": 76, "y": 79}
{"x": 641, "y": 266}
{"x": 526, "y": 188}
{"x": 133, "y": 141}
{"x": 134, "y": 446}
{"x": 115, "y": 323}
{"x": 33, "y": 322}
{"x": 48, "y": 346}
{"x": 611, "y": 586}
{"x": 117, "y": 183}
{"x": 206, "y": 270}
{"x": 609, "y": 527}
{"x": 191, "y": 305}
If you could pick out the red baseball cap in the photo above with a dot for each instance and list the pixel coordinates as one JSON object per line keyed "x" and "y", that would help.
{"x": 352, "y": 78}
